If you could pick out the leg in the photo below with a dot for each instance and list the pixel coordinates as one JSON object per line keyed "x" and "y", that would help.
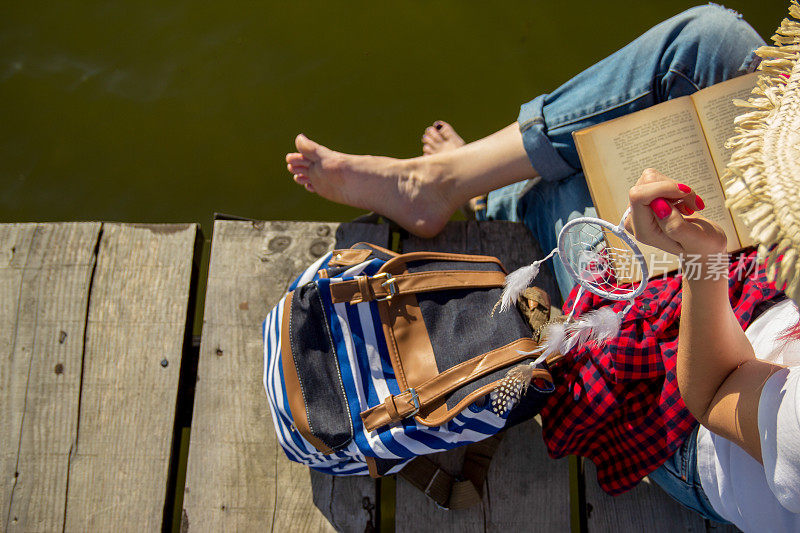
{"x": 420, "y": 193}
{"x": 691, "y": 50}
{"x": 695, "y": 49}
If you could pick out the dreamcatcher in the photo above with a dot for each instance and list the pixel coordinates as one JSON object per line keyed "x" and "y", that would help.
{"x": 603, "y": 259}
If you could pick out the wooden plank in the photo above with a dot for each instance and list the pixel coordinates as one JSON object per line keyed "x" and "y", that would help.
{"x": 87, "y": 313}
{"x": 45, "y": 275}
{"x": 521, "y": 475}
{"x": 645, "y": 508}
{"x": 134, "y": 343}
{"x": 238, "y": 477}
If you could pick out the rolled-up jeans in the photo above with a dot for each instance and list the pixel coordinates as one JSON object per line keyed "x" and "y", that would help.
{"x": 695, "y": 49}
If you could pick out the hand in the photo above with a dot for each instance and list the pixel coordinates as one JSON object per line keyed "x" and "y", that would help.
{"x": 660, "y": 216}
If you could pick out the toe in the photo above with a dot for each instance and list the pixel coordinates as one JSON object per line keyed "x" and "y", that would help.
{"x": 305, "y": 181}
{"x": 302, "y": 163}
{"x": 308, "y": 148}
{"x": 444, "y": 128}
{"x": 447, "y": 131}
{"x": 297, "y": 159}
{"x": 297, "y": 169}
{"x": 427, "y": 150}
{"x": 434, "y": 134}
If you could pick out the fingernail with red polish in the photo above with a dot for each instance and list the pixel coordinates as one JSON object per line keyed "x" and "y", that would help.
{"x": 699, "y": 202}
{"x": 684, "y": 188}
{"x": 661, "y": 208}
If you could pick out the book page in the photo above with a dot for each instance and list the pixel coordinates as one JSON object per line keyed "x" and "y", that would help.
{"x": 667, "y": 137}
{"x": 716, "y": 111}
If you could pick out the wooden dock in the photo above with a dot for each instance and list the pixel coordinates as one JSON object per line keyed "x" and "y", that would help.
{"x": 112, "y": 421}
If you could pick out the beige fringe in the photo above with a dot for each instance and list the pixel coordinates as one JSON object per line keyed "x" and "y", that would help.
{"x": 762, "y": 181}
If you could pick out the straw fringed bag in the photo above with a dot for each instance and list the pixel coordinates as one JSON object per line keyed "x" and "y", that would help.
{"x": 373, "y": 360}
{"x": 762, "y": 181}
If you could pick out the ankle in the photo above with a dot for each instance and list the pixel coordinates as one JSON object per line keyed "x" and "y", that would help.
{"x": 435, "y": 171}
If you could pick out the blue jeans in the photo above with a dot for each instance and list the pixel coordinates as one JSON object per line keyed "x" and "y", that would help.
{"x": 679, "y": 478}
{"x": 698, "y": 48}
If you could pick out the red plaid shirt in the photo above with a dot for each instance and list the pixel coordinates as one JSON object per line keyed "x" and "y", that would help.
{"x": 618, "y": 404}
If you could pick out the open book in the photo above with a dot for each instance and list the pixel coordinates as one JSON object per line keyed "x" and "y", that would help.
{"x": 682, "y": 138}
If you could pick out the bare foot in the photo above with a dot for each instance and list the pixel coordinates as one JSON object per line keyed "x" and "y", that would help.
{"x": 411, "y": 192}
{"x": 440, "y": 137}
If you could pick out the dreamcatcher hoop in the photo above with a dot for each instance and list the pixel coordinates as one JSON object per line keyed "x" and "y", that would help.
{"x": 599, "y": 325}
{"x": 618, "y": 231}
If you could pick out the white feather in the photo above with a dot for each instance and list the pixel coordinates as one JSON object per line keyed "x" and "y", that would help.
{"x": 555, "y": 335}
{"x": 605, "y": 324}
{"x": 538, "y": 350}
{"x": 516, "y": 283}
{"x": 579, "y": 332}
{"x": 598, "y": 326}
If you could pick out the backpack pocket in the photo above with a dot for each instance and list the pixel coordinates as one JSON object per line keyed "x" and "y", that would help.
{"x": 311, "y": 371}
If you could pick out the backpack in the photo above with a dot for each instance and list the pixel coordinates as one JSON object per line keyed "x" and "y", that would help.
{"x": 373, "y": 360}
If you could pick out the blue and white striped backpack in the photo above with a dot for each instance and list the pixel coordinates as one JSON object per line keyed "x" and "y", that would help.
{"x": 373, "y": 359}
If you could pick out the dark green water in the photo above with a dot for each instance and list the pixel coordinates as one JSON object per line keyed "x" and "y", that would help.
{"x": 167, "y": 112}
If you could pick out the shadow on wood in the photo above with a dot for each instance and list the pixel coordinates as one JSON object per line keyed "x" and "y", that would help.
{"x": 645, "y": 508}
{"x": 348, "y": 502}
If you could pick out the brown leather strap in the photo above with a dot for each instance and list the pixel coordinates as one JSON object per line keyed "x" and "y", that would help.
{"x": 366, "y": 288}
{"x": 348, "y": 257}
{"x": 554, "y": 359}
{"x": 411, "y": 401}
{"x": 353, "y": 256}
{"x": 398, "y": 264}
{"x": 376, "y": 248}
{"x": 447, "y": 490}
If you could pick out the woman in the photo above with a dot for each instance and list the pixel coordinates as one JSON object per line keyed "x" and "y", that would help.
{"x": 620, "y": 405}
{"x": 747, "y": 458}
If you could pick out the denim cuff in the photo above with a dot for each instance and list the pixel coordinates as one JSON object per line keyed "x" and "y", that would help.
{"x": 541, "y": 152}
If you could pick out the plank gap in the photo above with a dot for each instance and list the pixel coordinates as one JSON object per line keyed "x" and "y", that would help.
{"x": 577, "y": 495}
{"x": 184, "y": 403}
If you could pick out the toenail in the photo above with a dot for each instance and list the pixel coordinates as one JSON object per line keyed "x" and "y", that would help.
{"x": 438, "y": 125}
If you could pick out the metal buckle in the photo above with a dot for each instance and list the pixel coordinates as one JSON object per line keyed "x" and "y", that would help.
{"x": 390, "y": 283}
{"x": 414, "y": 400}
